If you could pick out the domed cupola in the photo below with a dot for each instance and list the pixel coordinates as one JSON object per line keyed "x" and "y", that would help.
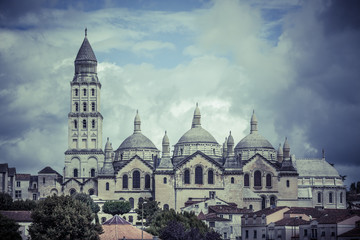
{"x": 254, "y": 143}
{"x": 196, "y": 139}
{"x": 137, "y": 144}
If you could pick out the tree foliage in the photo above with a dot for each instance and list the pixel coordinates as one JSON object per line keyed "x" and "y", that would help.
{"x": 7, "y": 203}
{"x": 62, "y": 217}
{"x": 151, "y": 207}
{"x": 85, "y": 198}
{"x": 116, "y": 207}
{"x": 162, "y": 223}
{"x": 9, "y": 229}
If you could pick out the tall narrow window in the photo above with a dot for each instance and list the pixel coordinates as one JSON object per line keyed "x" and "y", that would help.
{"x": 341, "y": 197}
{"x": 319, "y": 197}
{"x": 136, "y": 179}
{"x": 92, "y": 172}
{"x": 147, "y": 181}
{"x": 331, "y": 197}
{"x": 165, "y": 180}
{"x": 84, "y": 90}
{"x": 257, "y": 178}
{"x": 76, "y": 92}
{"x": 92, "y": 92}
{"x": 263, "y": 202}
{"x": 75, "y": 124}
{"x": 131, "y": 200}
{"x": 93, "y": 123}
{"x": 84, "y": 123}
{"x": 272, "y": 201}
{"x": 107, "y": 186}
{"x": 93, "y": 106}
{"x": 287, "y": 183}
{"x": 198, "y": 175}
{"x": 246, "y": 180}
{"x": 187, "y": 176}
{"x": 268, "y": 180}
{"x": 166, "y": 207}
{"x": 75, "y": 172}
{"x": 84, "y": 106}
{"x": 141, "y": 200}
{"x": 232, "y": 180}
{"x": 210, "y": 177}
{"x": 125, "y": 181}
{"x": 76, "y": 107}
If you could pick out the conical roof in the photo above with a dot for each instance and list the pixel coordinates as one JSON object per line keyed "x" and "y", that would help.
{"x": 85, "y": 52}
{"x": 116, "y": 220}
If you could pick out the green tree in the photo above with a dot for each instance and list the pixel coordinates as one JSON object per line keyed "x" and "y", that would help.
{"x": 62, "y": 217}
{"x": 189, "y": 220}
{"x": 116, "y": 207}
{"x": 23, "y": 205}
{"x": 9, "y": 229}
{"x": 151, "y": 207}
{"x": 5, "y": 201}
{"x": 85, "y": 198}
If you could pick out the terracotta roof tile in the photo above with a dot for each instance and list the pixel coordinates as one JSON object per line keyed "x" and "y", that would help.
{"x": 21, "y": 176}
{"x": 18, "y": 216}
{"x": 291, "y": 222}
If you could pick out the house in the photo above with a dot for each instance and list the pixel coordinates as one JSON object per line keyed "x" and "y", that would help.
{"x": 23, "y": 218}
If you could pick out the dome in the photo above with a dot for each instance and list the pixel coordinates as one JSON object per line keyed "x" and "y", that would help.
{"x": 197, "y": 135}
{"x": 254, "y": 140}
{"x": 137, "y": 140}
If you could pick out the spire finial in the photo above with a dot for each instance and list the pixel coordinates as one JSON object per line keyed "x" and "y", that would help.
{"x": 85, "y": 31}
{"x": 197, "y": 117}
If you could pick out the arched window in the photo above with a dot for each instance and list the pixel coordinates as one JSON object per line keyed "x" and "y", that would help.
{"x": 103, "y": 219}
{"x": 92, "y": 92}
{"x": 341, "y": 197}
{"x": 198, "y": 175}
{"x": 257, "y": 178}
{"x": 210, "y": 177}
{"x": 93, "y": 123}
{"x": 263, "y": 202}
{"x": 181, "y": 152}
{"x": 75, "y": 124}
{"x": 76, "y": 107}
{"x": 92, "y": 172}
{"x": 122, "y": 199}
{"x": 330, "y": 197}
{"x": 91, "y": 191}
{"x": 246, "y": 180}
{"x": 147, "y": 181}
{"x": 107, "y": 186}
{"x": 232, "y": 180}
{"x": 166, "y": 207}
{"x": 84, "y": 123}
{"x": 75, "y": 172}
{"x": 319, "y": 197}
{"x": 131, "y": 219}
{"x": 84, "y": 106}
{"x": 125, "y": 181}
{"x": 287, "y": 183}
{"x": 136, "y": 179}
{"x": 187, "y": 176}
{"x": 165, "y": 180}
{"x": 272, "y": 201}
{"x": 84, "y": 90}
{"x": 93, "y": 106}
{"x": 72, "y": 191}
{"x": 76, "y": 91}
{"x": 250, "y": 206}
{"x": 268, "y": 180}
{"x": 141, "y": 200}
{"x": 131, "y": 200}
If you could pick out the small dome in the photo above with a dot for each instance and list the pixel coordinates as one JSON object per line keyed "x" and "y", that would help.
{"x": 197, "y": 135}
{"x": 254, "y": 140}
{"x": 108, "y": 145}
{"x": 230, "y": 140}
{"x": 137, "y": 140}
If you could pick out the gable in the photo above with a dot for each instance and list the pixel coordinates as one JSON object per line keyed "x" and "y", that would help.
{"x": 259, "y": 162}
{"x": 199, "y": 158}
{"x": 135, "y": 163}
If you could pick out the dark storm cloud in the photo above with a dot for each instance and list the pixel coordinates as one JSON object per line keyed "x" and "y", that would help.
{"x": 324, "y": 99}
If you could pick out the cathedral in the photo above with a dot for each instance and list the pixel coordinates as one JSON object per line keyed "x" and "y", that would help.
{"x": 251, "y": 173}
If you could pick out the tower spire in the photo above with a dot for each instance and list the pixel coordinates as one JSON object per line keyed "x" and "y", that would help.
{"x": 86, "y": 32}
{"x": 197, "y": 117}
{"x": 137, "y": 123}
{"x": 253, "y": 123}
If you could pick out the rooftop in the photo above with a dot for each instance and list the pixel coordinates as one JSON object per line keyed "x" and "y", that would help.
{"x": 18, "y": 216}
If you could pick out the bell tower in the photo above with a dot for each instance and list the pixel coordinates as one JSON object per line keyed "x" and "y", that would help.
{"x": 84, "y": 156}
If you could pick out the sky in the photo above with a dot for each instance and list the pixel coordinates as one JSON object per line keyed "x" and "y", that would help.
{"x": 296, "y": 63}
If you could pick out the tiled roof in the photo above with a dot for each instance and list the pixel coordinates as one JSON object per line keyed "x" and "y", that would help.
{"x": 4, "y": 167}
{"x": 291, "y": 222}
{"x": 313, "y": 212}
{"x": 201, "y": 216}
{"x": 228, "y": 209}
{"x": 315, "y": 168}
{"x": 85, "y": 52}
{"x": 12, "y": 172}
{"x": 336, "y": 215}
{"x": 22, "y": 176}
{"x": 49, "y": 170}
{"x": 18, "y": 216}
{"x": 266, "y": 211}
{"x": 116, "y": 220}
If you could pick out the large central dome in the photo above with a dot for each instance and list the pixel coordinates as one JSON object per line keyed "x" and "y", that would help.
{"x": 197, "y": 135}
{"x": 254, "y": 140}
{"x": 137, "y": 140}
